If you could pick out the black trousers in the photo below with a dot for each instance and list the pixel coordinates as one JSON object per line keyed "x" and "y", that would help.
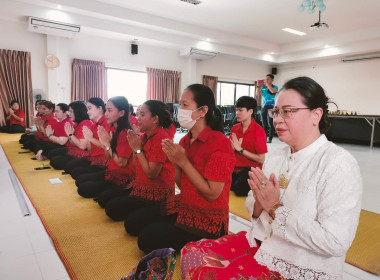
{"x": 164, "y": 234}
{"x": 25, "y": 137}
{"x": 90, "y": 177}
{"x": 108, "y": 195}
{"x": 140, "y": 218}
{"x": 14, "y": 128}
{"x": 59, "y": 162}
{"x": 239, "y": 184}
{"x": 93, "y": 189}
{"x": 119, "y": 208}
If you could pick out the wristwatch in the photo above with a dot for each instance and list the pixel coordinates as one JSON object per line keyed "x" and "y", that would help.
{"x": 70, "y": 135}
{"x": 241, "y": 151}
{"x": 108, "y": 148}
{"x": 138, "y": 152}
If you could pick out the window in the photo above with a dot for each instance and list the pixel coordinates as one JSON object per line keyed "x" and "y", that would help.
{"x": 228, "y": 92}
{"x": 131, "y": 84}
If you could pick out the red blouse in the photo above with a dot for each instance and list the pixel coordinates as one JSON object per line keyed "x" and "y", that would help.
{"x": 48, "y": 120}
{"x": 59, "y": 129}
{"x": 74, "y": 150}
{"x": 115, "y": 173}
{"x": 171, "y": 130}
{"x": 254, "y": 141}
{"x": 162, "y": 187}
{"x": 212, "y": 156}
{"x": 95, "y": 150}
{"x": 133, "y": 120}
{"x": 19, "y": 113}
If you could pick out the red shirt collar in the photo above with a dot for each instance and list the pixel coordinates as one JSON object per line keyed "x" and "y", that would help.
{"x": 202, "y": 137}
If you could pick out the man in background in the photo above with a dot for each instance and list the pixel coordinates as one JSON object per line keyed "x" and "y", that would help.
{"x": 267, "y": 91}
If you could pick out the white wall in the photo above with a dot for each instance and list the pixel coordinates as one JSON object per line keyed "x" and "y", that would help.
{"x": 353, "y": 86}
{"x": 231, "y": 70}
{"x": 14, "y": 36}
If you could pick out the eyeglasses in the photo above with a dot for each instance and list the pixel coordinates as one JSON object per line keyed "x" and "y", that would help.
{"x": 284, "y": 113}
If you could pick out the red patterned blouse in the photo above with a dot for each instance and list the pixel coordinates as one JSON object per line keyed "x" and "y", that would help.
{"x": 121, "y": 175}
{"x": 75, "y": 151}
{"x": 212, "y": 156}
{"x": 162, "y": 187}
{"x": 97, "y": 156}
{"x": 48, "y": 120}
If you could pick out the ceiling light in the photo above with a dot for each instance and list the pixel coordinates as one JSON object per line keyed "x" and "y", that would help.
{"x": 319, "y": 24}
{"x": 294, "y": 31}
{"x": 194, "y": 2}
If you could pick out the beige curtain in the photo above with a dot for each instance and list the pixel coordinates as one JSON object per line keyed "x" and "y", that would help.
{"x": 15, "y": 82}
{"x": 88, "y": 80}
{"x": 211, "y": 82}
{"x": 163, "y": 85}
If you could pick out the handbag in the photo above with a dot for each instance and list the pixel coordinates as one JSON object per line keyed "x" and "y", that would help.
{"x": 157, "y": 265}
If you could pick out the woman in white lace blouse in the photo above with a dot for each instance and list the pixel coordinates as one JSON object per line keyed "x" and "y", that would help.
{"x": 305, "y": 203}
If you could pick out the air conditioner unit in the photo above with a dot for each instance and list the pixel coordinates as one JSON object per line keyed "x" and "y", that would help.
{"x": 51, "y": 27}
{"x": 197, "y": 53}
{"x": 361, "y": 57}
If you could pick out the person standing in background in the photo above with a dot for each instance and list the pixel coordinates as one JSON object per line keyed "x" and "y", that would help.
{"x": 16, "y": 119}
{"x": 267, "y": 91}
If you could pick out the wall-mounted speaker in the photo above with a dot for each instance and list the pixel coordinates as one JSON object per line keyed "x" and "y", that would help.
{"x": 134, "y": 49}
{"x": 274, "y": 70}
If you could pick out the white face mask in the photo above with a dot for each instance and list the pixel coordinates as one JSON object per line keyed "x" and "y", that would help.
{"x": 184, "y": 118}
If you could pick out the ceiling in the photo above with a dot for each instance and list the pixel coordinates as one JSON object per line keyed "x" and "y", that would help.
{"x": 241, "y": 29}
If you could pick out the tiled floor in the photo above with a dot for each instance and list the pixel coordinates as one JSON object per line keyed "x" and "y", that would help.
{"x": 26, "y": 251}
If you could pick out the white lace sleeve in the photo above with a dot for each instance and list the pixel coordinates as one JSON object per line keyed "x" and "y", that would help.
{"x": 338, "y": 208}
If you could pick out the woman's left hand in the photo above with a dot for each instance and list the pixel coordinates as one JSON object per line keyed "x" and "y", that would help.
{"x": 69, "y": 129}
{"x": 266, "y": 191}
{"x": 134, "y": 140}
{"x": 175, "y": 152}
{"x": 236, "y": 143}
{"x": 104, "y": 137}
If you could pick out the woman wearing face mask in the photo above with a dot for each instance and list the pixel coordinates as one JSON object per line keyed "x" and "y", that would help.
{"x": 154, "y": 180}
{"x": 119, "y": 170}
{"x": 204, "y": 162}
{"x": 56, "y": 135}
{"x": 96, "y": 161}
{"x": 79, "y": 146}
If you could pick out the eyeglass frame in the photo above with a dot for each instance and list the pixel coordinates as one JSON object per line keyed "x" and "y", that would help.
{"x": 278, "y": 112}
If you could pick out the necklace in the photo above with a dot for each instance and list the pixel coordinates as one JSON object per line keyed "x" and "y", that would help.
{"x": 283, "y": 180}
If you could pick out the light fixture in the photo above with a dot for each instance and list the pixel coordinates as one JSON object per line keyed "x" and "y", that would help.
{"x": 293, "y": 31}
{"x": 311, "y": 5}
{"x": 319, "y": 24}
{"x": 194, "y": 2}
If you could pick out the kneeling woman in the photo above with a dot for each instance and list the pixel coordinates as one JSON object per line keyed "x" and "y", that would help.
{"x": 154, "y": 172}
{"x": 204, "y": 162}
{"x": 120, "y": 169}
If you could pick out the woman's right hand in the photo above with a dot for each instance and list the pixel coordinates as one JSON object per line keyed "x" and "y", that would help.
{"x": 174, "y": 152}
{"x": 69, "y": 129}
{"x": 49, "y": 130}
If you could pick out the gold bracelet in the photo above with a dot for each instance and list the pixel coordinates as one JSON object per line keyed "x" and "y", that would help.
{"x": 273, "y": 209}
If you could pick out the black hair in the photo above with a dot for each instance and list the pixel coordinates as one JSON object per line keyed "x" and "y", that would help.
{"x": 63, "y": 106}
{"x": 13, "y": 102}
{"x": 158, "y": 108}
{"x": 121, "y": 103}
{"x": 48, "y": 104}
{"x": 131, "y": 110}
{"x": 313, "y": 96}
{"x": 80, "y": 111}
{"x": 248, "y": 103}
{"x": 98, "y": 102}
{"x": 271, "y": 76}
{"x": 39, "y": 102}
{"x": 204, "y": 96}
